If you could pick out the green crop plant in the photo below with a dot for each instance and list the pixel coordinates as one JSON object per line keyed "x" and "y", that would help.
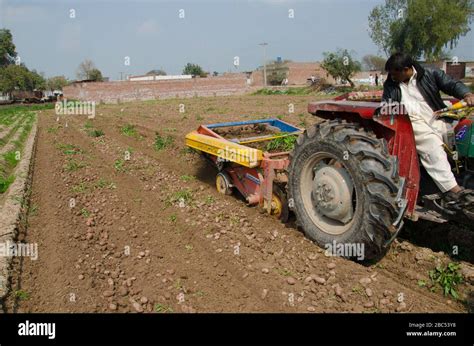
{"x": 285, "y": 143}
{"x": 447, "y": 277}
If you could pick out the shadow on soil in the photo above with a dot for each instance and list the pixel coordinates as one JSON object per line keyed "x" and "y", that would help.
{"x": 455, "y": 240}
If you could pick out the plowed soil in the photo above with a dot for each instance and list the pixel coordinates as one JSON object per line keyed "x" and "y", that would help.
{"x": 124, "y": 227}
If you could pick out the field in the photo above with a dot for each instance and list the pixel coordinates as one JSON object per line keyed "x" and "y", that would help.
{"x": 128, "y": 220}
{"x": 14, "y": 129}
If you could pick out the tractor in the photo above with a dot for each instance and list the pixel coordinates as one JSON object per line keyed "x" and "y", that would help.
{"x": 355, "y": 177}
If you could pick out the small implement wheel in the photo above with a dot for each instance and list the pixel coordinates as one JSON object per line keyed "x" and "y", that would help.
{"x": 223, "y": 184}
{"x": 280, "y": 208}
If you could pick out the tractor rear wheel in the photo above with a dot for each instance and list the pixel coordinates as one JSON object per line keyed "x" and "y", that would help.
{"x": 342, "y": 186}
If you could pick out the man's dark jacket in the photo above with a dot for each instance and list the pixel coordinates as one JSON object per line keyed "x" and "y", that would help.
{"x": 430, "y": 82}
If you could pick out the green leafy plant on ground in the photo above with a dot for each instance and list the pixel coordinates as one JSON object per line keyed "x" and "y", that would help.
{"x": 22, "y": 295}
{"x": 53, "y": 129}
{"x": 5, "y": 182}
{"x": 95, "y": 133}
{"x": 103, "y": 183}
{"x": 119, "y": 165}
{"x": 162, "y": 308}
{"x": 80, "y": 188}
{"x": 448, "y": 278}
{"x": 185, "y": 196}
{"x": 162, "y": 142}
{"x": 69, "y": 149}
{"x": 85, "y": 212}
{"x": 73, "y": 165}
{"x": 187, "y": 177}
{"x": 11, "y": 158}
{"x": 129, "y": 130}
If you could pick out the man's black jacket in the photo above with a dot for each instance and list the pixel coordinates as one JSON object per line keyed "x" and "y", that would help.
{"x": 430, "y": 82}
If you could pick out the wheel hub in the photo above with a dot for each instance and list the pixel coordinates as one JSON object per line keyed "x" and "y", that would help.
{"x": 332, "y": 193}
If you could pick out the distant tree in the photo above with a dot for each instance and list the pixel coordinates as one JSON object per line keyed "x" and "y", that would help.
{"x": 36, "y": 81}
{"x": 7, "y": 48}
{"x": 18, "y": 77}
{"x": 374, "y": 62}
{"x": 56, "y": 83}
{"x": 194, "y": 70}
{"x": 96, "y": 75}
{"x": 87, "y": 70}
{"x": 419, "y": 27}
{"x": 156, "y": 73}
{"x": 341, "y": 65}
{"x": 215, "y": 73}
{"x": 15, "y": 76}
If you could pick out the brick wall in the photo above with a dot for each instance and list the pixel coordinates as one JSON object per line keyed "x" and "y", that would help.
{"x": 298, "y": 73}
{"x": 123, "y": 91}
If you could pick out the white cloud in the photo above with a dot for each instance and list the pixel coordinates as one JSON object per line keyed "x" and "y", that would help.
{"x": 148, "y": 27}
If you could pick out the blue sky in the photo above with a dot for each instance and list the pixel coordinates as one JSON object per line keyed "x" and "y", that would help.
{"x": 211, "y": 34}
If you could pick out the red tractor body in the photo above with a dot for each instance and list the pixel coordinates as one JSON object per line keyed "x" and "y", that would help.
{"x": 396, "y": 129}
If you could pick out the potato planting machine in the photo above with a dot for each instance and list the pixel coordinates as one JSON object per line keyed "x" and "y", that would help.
{"x": 251, "y": 156}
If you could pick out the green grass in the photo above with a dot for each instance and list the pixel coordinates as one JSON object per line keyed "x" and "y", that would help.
{"x": 173, "y": 218}
{"x": 69, "y": 149}
{"x": 187, "y": 178}
{"x": 11, "y": 158}
{"x": 22, "y": 295}
{"x": 85, "y": 212}
{"x": 129, "y": 130}
{"x": 162, "y": 142}
{"x": 24, "y": 122}
{"x": 184, "y": 195}
{"x": 88, "y": 125}
{"x": 209, "y": 199}
{"x": 95, "y": 133}
{"x": 73, "y": 165}
{"x": 119, "y": 165}
{"x": 102, "y": 184}
{"x": 80, "y": 188}
{"x": 5, "y": 182}
{"x": 162, "y": 308}
{"x": 288, "y": 91}
{"x": 33, "y": 210}
{"x": 448, "y": 278}
{"x": 53, "y": 129}
{"x": 286, "y": 143}
{"x": 22, "y": 108}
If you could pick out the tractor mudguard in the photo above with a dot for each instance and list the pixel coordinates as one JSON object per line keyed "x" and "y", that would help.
{"x": 395, "y": 129}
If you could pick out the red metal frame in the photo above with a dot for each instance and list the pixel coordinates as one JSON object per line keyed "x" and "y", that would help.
{"x": 397, "y": 130}
{"x": 255, "y": 184}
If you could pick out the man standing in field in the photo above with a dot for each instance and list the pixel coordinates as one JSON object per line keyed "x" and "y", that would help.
{"x": 418, "y": 90}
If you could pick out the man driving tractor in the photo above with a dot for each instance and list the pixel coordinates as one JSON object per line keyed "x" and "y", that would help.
{"x": 417, "y": 89}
